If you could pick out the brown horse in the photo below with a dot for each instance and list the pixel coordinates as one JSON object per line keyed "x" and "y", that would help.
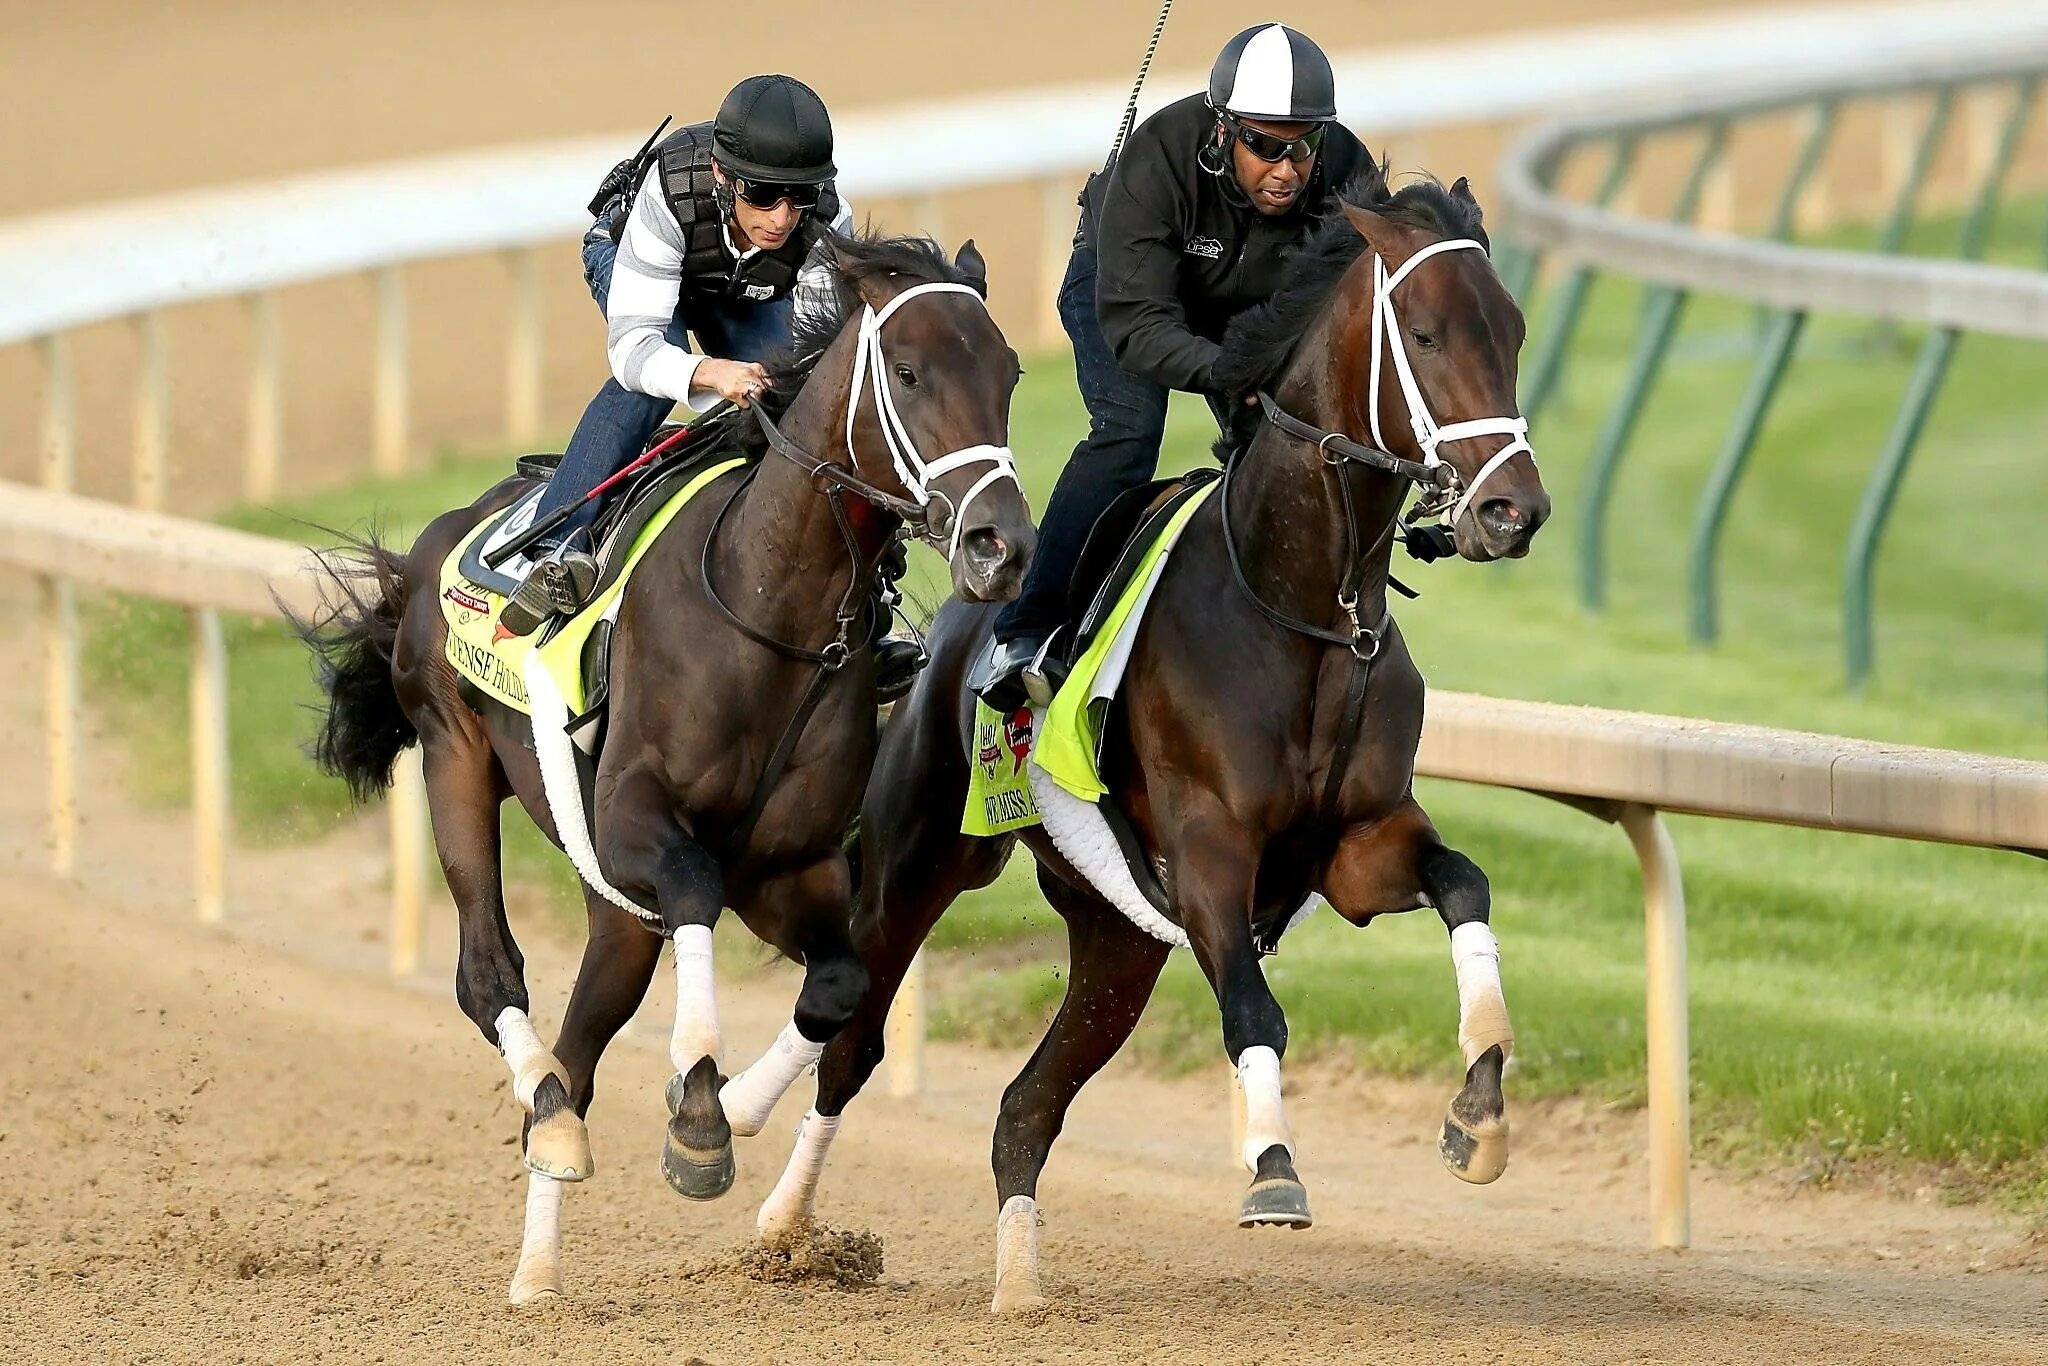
{"x": 742, "y": 719}
{"x": 1263, "y": 743}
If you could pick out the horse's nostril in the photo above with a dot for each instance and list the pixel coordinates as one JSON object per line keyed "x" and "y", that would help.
{"x": 1506, "y": 517}
{"x": 984, "y": 545}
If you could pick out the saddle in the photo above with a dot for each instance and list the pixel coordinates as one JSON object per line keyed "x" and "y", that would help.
{"x": 624, "y": 514}
{"x": 1115, "y": 549}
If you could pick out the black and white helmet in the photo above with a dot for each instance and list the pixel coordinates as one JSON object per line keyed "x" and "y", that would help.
{"x": 1271, "y": 71}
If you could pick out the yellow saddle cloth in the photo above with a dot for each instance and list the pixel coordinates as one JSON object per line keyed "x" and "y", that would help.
{"x": 495, "y": 660}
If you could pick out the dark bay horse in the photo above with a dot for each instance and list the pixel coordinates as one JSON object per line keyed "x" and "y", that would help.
{"x": 1228, "y": 747}
{"x": 708, "y": 682}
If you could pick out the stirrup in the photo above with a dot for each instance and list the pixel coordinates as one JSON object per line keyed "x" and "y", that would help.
{"x": 1044, "y": 674}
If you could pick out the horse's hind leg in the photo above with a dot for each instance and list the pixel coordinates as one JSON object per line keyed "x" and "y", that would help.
{"x": 1392, "y": 866}
{"x": 618, "y": 961}
{"x": 1114, "y": 966}
{"x": 465, "y": 789}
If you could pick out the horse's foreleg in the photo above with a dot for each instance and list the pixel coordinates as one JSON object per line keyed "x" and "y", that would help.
{"x": 1214, "y": 862}
{"x": 1114, "y": 967}
{"x": 1395, "y": 865}
{"x": 647, "y": 855}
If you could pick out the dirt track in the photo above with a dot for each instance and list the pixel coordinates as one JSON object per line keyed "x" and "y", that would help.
{"x": 233, "y": 1149}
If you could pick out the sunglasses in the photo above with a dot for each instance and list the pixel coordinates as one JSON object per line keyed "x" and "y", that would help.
{"x": 1266, "y": 147}
{"x": 766, "y": 194}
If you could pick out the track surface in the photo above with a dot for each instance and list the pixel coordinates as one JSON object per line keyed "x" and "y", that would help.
{"x": 256, "y": 1147}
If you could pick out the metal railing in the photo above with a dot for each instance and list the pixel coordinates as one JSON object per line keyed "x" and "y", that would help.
{"x": 1788, "y": 283}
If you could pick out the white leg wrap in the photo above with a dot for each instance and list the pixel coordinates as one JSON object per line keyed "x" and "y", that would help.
{"x": 1016, "y": 1253}
{"x": 696, "y": 1034}
{"x": 524, "y": 1053}
{"x": 1265, "y": 1122}
{"x": 749, "y": 1098}
{"x": 540, "y": 1250}
{"x": 787, "y": 1210}
{"x": 1482, "y": 1008}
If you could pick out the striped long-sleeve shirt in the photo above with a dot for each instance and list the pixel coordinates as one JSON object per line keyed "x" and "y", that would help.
{"x": 647, "y": 286}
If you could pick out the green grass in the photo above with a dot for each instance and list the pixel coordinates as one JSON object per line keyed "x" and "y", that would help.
{"x": 1856, "y": 997}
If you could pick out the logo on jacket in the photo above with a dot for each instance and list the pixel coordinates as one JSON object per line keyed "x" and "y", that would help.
{"x": 758, "y": 292}
{"x": 1206, "y": 247}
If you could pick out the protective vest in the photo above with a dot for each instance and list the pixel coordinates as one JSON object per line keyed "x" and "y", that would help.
{"x": 708, "y": 266}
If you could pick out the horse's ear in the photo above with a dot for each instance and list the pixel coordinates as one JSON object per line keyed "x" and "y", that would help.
{"x": 1461, "y": 189}
{"x": 871, "y": 290}
{"x": 1376, "y": 230}
{"x": 973, "y": 267}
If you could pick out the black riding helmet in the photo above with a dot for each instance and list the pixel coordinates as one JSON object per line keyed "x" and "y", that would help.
{"x": 774, "y": 129}
{"x": 1271, "y": 71}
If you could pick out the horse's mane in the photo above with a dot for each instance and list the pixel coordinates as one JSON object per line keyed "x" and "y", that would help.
{"x": 850, "y": 260}
{"x": 1260, "y": 342}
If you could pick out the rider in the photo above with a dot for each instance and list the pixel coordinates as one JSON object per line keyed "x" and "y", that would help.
{"x": 1185, "y": 230}
{"x": 721, "y": 241}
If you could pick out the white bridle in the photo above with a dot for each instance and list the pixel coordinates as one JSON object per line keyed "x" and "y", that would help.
{"x": 1428, "y": 434}
{"x": 912, "y": 468}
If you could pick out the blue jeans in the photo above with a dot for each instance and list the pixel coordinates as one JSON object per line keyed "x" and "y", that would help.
{"x": 617, "y": 424}
{"x": 1126, "y": 422}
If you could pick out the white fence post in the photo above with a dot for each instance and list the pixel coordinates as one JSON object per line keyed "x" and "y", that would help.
{"x": 408, "y": 804}
{"x": 212, "y": 807}
{"x": 266, "y": 400}
{"x": 903, "y": 1033}
{"x": 524, "y": 341}
{"x": 58, "y": 610}
{"x": 152, "y": 414}
{"x": 1666, "y": 1031}
{"x": 392, "y": 401}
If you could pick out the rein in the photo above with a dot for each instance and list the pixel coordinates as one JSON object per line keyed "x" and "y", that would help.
{"x": 835, "y": 481}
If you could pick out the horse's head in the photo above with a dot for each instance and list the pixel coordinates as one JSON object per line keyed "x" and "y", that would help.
{"x": 1431, "y": 338}
{"x": 928, "y": 416}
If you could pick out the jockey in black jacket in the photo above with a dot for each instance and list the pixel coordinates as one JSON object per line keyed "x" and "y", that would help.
{"x": 1184, "y": 232}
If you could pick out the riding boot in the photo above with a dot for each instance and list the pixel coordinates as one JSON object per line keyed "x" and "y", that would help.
{"x": 555, "y": 586}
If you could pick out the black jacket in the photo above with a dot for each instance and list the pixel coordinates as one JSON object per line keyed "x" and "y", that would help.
{"x": 1182, "y": 251}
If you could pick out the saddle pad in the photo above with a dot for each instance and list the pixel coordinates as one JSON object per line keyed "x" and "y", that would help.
{"x": 494, "y": 660}
{"x": 1070, "y": 736}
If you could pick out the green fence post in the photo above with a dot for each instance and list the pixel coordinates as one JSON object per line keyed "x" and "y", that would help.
{"x": 1881, "y": 493}
{"x": 1662, "y": 307}
{"x": 1545, "y": 366}
{"x": 1781, "y": 336}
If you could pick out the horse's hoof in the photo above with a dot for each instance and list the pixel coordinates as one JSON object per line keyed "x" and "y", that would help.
{"x": 536, "y": 1286}
{"x": 697, "y": 1173}
{"x": 1017, "y": 1295}
{"x": 1477, "y": 1153}
{"x": 559, "y": 1146}
{"x": 696, "y": 1155}
{"x": 1276, "y": 1201}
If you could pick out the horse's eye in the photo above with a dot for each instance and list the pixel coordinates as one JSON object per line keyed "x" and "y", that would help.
{"x": 1422, "y": 339}
{"x": 906, "y": 376}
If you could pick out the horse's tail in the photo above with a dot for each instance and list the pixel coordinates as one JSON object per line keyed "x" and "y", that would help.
{"x": 351, "y": 637}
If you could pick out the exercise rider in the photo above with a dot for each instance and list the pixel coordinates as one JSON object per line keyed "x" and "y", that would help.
{"x": 1182, "y": 232}
{"x": 717, "y": 238}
